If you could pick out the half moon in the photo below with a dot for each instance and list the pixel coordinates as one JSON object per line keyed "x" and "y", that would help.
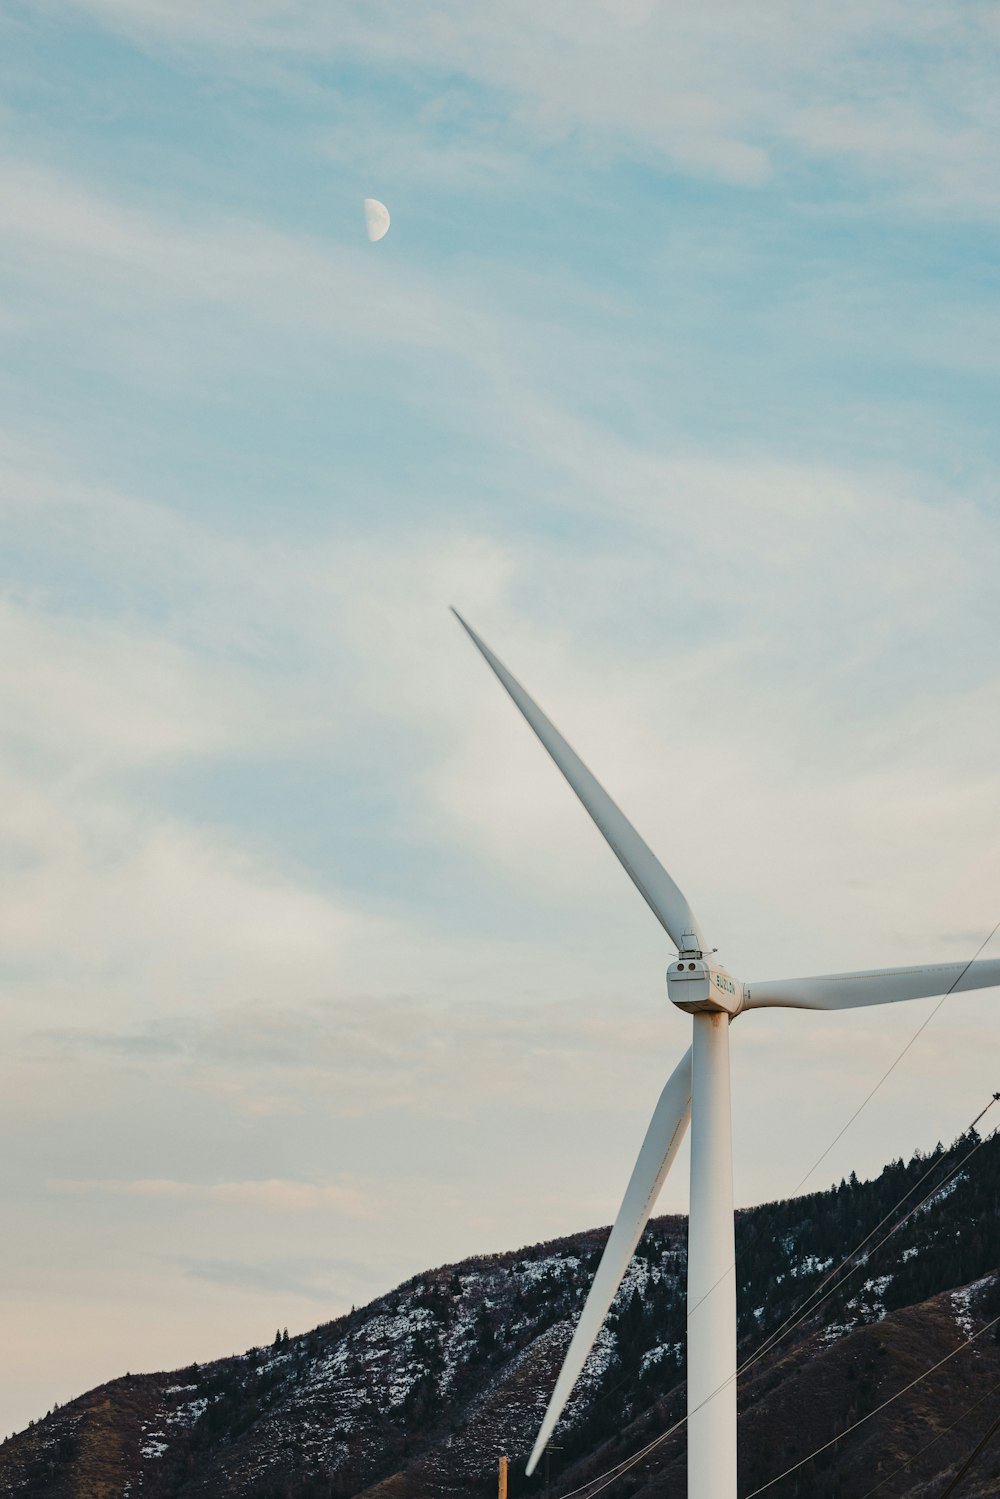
{"x": 376, "y": 218}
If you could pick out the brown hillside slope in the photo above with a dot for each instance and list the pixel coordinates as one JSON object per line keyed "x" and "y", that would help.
{"x": 415, "y": 1395}
{"x": 138, "y": 1435}
{"x": 811, "y": 1395}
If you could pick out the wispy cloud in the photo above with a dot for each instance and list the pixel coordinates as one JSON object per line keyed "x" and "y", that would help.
{"x": 796, "y": 586}
{"x": 675, "y": 375}
{"x": 714, "y": 91}
{"x": 138, "y": 256}
{"x": 309, "y": 1279}
{"x": 271, "y": 1196}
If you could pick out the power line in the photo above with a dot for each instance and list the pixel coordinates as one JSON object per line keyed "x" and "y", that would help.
{"x": 889, "y": 1070}
{"x": 977, "y": 1449}
{"x": 805, "y": 1309}
{"x": 993, "y": 1100}
{"x": 928, "y": 1445}
{"x": 620, "y": 1469}
{"x": 885, "y": 1404}
{"x": 858, "y": 1247}
{"x": 865, "y": 1102}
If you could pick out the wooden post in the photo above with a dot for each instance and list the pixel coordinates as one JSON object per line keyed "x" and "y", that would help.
{"x": 502, "y": 1479}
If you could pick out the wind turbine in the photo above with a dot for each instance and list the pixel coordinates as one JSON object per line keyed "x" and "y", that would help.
{"x": 698, "y": 1089}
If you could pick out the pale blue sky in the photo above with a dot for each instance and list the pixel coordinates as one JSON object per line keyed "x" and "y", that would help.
{"x": 677, "y": 372}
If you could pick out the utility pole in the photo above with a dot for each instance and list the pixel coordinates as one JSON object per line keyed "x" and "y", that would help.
{"x": 552, "y": 1447}
{"x": 502, "y": 1479}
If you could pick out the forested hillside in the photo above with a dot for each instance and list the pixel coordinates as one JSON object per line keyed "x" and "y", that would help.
{"x": 416, "y": 1395}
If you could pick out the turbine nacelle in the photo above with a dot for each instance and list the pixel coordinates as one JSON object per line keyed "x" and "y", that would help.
{"x": 696, "y": 985}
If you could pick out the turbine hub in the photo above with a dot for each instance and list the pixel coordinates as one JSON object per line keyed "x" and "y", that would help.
{"x": 694, "y": 985}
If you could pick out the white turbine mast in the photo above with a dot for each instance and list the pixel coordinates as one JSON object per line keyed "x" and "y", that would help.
{"x": 698, "y": 1089}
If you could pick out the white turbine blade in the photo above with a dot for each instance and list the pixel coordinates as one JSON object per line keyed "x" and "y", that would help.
{"x": 643, "y": 868}
{"x": 879, "y": 986}
{"x": 662, "y": 1142}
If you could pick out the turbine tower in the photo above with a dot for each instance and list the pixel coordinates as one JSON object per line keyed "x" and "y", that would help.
{"x": 698, "y": 1090}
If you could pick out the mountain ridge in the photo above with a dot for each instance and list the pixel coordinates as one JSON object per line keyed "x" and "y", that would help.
{"x": 415, "y": 1395}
